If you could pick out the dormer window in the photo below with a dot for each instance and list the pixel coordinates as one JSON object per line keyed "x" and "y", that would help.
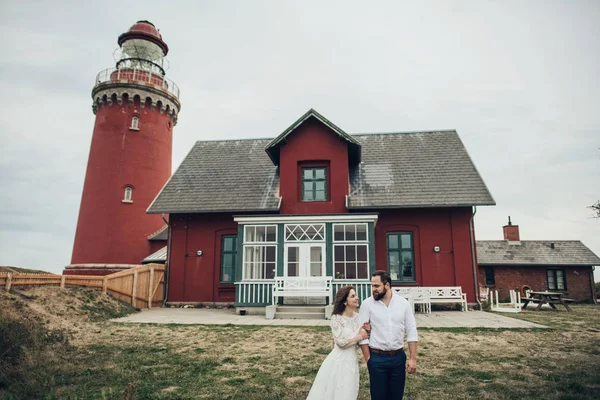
{"x": 314, "y": 184}
{"x": 135, "y": 123}
{"x": 127, "y": 196}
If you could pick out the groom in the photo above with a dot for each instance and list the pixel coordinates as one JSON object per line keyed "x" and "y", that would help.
{"x": 390, "y": 316}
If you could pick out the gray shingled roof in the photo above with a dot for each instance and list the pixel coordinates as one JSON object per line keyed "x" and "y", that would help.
{"x": 160, "y": 256}
{"x": 535, "y": 252}
{"x": 228, "y": 175}
{"x": 161, "y": 234}
{"x": 398, "y": 170}
{"x": 418, "y": 169}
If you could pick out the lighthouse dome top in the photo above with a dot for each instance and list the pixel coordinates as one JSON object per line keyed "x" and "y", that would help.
{"x": 144, "y": 30}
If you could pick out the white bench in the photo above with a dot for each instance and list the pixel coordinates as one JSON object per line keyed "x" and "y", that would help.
{"x": 418, "y": 296}
{"x": 448, "y": 294}
{"x": 315, "y": 286}
{"x": 433, "y": 295}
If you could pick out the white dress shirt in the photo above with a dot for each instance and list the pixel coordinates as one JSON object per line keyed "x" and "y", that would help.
{"x": 388, "y": 323}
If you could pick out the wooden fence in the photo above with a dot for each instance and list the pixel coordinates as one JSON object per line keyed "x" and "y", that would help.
{"x": 141, "y": 286}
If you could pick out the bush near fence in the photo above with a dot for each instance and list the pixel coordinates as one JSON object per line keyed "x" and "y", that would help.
{"x": 142, "y": 286}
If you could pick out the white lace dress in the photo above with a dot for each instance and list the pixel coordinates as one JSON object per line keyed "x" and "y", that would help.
{"x": 338, "y": 376}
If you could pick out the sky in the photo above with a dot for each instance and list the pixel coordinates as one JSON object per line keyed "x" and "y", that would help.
{"x": 518, "y": 80}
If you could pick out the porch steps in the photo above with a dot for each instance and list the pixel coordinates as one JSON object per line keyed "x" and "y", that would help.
{"x": 300, "y": 312}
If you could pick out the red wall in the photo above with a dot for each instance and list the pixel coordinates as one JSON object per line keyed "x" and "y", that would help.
{"x": 108, "y": 230}
{"x": 507, "y": 278}
{"x": 447, "y": 228}
{"x": 156, "y": 245}
{"x": 313, "y": 141}
{"x": 195, "y": 278}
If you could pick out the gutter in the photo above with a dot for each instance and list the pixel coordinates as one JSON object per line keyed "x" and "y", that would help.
{"x": 476, "y": 286}
{"x": 168, "y": 262}
{"x": 592, "y": 285}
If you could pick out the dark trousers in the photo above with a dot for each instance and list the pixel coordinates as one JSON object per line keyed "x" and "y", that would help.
{"x": 387, "y": 375}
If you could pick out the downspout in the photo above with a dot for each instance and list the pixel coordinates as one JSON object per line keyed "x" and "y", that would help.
{"x": 476, "y": 286}
{"x": 592, "y": 285}
{"x": 168, "y": 262}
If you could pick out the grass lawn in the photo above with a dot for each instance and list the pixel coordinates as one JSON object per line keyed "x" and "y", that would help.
{"x": 115, "y": 361}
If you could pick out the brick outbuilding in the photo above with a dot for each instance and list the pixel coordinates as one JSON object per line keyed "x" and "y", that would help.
{"x": 540, "y": 265}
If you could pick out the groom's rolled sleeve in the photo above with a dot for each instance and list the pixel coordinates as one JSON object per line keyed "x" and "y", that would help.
{"x": 411, "y": 327}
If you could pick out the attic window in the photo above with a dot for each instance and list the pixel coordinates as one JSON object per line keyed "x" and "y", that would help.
{"x": 314, "y": 184}
{"x": 135, "y": 123}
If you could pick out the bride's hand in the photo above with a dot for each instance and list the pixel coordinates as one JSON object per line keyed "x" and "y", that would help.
{"x": 367, "y": 327}
{"x": 363, "y": 334}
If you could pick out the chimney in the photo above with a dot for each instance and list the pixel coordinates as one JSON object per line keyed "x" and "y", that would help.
{"x": 511, "y": 232}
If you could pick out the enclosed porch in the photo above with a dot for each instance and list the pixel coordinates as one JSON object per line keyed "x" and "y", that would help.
{"x": 303, "y": 260}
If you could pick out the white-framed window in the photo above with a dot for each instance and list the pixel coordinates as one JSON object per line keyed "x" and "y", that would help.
{"x": 128, "y": 195}
{"x": 135, "y": 123}
{"x": 304, "y": 232}
{"x": 401, "y": 256}
{"x": 350, "y": 251}
{"x": 556, "y": 279}
{"x": 260, "y": 252}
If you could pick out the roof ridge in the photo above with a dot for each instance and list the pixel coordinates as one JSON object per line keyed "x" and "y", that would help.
{"x": 404, "y": 132}
{"x": 529, "y": 240}
{"x": 157, "y": 232}
{"x": 352, "y": 134}
{"x": 232, "y": 140}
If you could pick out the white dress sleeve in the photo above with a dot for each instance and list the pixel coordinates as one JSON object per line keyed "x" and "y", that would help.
{"x": 338, "y": 323}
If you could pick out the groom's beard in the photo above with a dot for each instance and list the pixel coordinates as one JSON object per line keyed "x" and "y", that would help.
{"x": 379, "y": 296}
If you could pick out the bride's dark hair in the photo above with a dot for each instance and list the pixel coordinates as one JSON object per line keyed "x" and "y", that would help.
{"x": 340, "y": 299}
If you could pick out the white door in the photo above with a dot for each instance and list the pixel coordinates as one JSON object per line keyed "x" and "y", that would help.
{"x": 304, "y": 260}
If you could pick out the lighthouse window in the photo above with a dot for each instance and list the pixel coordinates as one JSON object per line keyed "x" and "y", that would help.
{"x": 135, "y": 123}
{"x": 128, "y": 194}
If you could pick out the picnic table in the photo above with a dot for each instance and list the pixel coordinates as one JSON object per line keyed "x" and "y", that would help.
{"x": 551, "y": 298}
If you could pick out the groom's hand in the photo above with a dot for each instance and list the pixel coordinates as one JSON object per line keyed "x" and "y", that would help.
{"x": 411, "y": 366}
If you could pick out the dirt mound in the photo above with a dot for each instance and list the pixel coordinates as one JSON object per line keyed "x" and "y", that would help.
{"x": 5, "y": 268}
{"x": 39, "y": 325}
{"x": 70, "y": 312}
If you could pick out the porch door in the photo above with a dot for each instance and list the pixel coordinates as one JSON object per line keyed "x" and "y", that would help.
{"x": 304, "y": 260}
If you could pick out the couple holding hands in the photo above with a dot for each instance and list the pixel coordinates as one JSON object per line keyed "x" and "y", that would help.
{"x": 379, "y": 330}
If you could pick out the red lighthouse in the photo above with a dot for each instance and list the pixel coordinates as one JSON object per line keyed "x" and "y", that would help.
{"x": 136, "y": 107}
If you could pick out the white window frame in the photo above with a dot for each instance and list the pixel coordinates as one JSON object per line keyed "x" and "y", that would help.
{"x": 252, "y": 269}
{"x": 135, "y": 123}
{"x": 318, "y": 233}
{"x": 304, "y": 267}
{"x": 128, "y": 195}
{"x": 345, "y": 242}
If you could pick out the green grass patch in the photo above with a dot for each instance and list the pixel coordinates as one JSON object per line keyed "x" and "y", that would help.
{"x": 139, "y": 361}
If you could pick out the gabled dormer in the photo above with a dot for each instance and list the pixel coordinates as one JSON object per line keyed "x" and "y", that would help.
{"x": 314, "y": 157}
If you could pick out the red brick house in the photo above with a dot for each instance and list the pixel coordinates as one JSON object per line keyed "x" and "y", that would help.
{"x": 318, "y": 202}
{"x": 540, "y": 265}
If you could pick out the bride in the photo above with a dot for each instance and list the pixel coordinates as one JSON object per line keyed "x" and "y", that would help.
{"x": 338, "y": 376}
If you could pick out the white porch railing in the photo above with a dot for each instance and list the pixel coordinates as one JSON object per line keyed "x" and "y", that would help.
{"x": 259, "y": 292}
{"x": 362, "y": 287}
